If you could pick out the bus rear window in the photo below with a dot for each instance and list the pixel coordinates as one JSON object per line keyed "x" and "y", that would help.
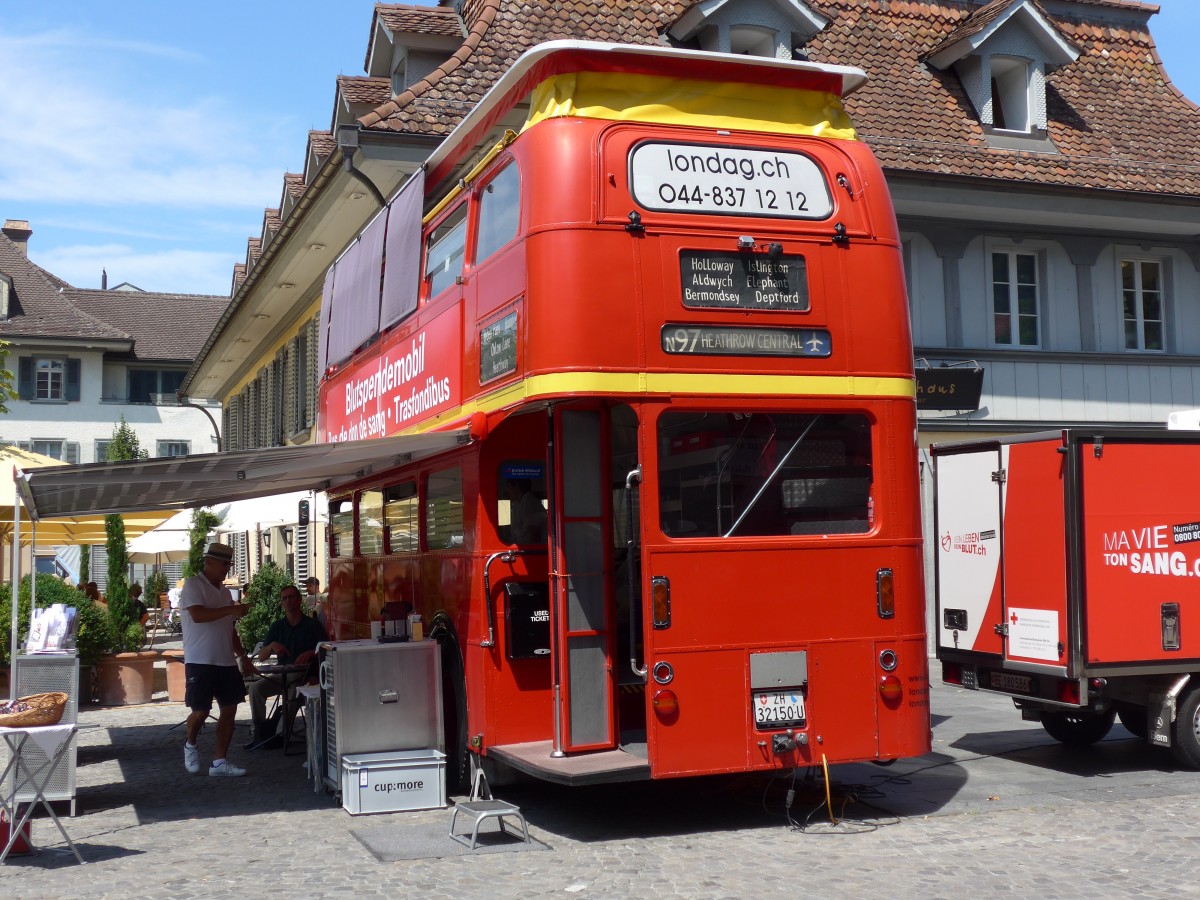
{"x": 758, "y": 474}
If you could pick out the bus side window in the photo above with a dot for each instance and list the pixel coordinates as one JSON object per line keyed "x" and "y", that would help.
{"x": 400, "y": 517}
{"x": 370, "y": 524}
{"x": 341, "y": 527}
{"x": 444, "y": 510}
{"x": 499, "y": 213}
{"x": 444, "y": 251}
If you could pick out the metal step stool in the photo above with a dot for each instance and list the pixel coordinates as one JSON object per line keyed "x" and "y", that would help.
{"x": 485, "y": 807}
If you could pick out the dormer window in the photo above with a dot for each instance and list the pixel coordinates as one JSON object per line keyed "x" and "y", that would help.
{"x": 751, "y": 40}
{"x": 1002, "y": 58}
{"x": 1010, "y": 94}
{"x": 769, "y": 28}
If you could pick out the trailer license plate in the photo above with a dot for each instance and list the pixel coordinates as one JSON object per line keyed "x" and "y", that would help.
{"x": 1005, "y": 681}
{"x": 775, "y": 708}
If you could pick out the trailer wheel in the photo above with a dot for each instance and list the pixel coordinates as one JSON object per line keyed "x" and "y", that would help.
{"x": 1185, "y": 733}
{"x": 1134, "y": 720}
{"x": 1078, "y": 728}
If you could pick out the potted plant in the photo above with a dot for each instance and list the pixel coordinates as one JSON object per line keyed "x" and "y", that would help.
{"x": 265, "y": 607}
{"x": 93, "y": 636}
{"x": 126, "y": 676}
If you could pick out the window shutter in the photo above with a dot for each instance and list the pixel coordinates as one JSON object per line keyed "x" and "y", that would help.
{"x": 25, "y": 378}
{"x": 71, "y": 452}
{"x": 312, "y": 375}
{"x": 73, "y": 379}
{"x": 226, "y": 417}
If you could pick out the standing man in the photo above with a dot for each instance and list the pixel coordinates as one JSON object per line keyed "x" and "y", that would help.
{"x": 292, "y": 640}
{"x": 212, "y": 656}
{"x": 313, "y": 588}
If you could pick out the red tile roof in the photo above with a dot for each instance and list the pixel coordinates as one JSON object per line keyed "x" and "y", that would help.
{"x": 161, "y": 326}
{"x": 360, "y": 89}
{"x": 1113, "y": 116}
{"x": 164, "y": 327}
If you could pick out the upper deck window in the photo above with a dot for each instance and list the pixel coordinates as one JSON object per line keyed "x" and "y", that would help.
{"x": 444, "y": 251}
{"x": 499, "y": 213}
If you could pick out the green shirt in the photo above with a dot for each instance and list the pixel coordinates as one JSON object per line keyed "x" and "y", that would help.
{"x": 304, "y": 636}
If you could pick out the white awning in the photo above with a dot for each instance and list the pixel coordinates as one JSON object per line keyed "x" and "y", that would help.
{"x": 190, "y": 481}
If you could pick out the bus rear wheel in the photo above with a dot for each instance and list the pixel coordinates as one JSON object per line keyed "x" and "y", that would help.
{"x": 1078, "y": 728}
{"x": 1185, "y": 733}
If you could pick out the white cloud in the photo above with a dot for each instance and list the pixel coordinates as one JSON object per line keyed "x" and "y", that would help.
{"x": 173, "y": 270}
{"x": 74, "y": 135}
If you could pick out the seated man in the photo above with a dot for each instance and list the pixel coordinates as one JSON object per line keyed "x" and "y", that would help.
{"x": 292, "y": 640}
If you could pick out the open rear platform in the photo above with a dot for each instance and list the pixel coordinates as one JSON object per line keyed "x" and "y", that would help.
{"x": 602, "y": 767}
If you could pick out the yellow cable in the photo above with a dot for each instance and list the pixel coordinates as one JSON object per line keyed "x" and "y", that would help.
{"x": 828, "y": 798}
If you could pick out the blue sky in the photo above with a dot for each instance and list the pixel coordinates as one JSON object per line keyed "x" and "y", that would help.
{"x": 146, "y": 137}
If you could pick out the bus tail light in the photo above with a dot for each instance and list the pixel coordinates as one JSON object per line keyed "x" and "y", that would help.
{"x": 885, "y": 593}
{"x": 666, "y": 704}
{"x": 660, "y": 598}
{"x": 890, "y": 689}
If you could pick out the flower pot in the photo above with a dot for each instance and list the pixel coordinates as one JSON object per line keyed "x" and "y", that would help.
{"x": 176, "y": 681}
{"x": 126, "y": 678}
{"x": 87, "y": 684}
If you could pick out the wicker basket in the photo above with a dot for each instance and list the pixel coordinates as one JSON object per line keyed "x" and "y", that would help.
{"x": 41, "y": 709}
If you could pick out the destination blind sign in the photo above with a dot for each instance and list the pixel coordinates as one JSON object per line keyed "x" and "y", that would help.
{"x": 743, "y": 281}
{"x": 731, "y": 340}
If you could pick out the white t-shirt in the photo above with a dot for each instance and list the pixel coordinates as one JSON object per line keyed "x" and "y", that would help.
{"x": 210, "y": 643}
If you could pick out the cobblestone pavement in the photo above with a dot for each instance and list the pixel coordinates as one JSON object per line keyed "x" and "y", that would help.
{"x": 997, "y": 809}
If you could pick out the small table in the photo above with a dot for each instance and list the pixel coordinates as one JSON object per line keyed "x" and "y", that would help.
{"x": 312, "y": 725}
{"x": 284, "y": 675}
{"x": 53, "y": 740}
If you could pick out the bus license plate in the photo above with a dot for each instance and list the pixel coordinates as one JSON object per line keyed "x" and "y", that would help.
{"x": 776, "y": 709}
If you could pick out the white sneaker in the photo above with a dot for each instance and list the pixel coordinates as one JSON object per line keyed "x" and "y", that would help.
{"x": 227, "y": 769}
{"x": 191, "y": 759}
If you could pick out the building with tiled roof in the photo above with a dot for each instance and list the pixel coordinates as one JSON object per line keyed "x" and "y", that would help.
{"x": 80, "y": 359}
{"x": 1045, "y": 173}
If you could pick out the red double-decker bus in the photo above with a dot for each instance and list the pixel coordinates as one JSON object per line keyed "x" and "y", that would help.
{"x": 661, "y": 294}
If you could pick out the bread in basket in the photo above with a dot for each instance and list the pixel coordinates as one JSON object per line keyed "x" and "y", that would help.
{"x": 34, "y": 710}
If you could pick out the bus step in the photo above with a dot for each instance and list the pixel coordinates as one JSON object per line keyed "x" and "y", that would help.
{"x": 599, "y": 767}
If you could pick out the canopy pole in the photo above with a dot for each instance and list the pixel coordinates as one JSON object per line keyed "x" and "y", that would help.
{"x": 16, "y": 595}
{"x": 33, "y": 573}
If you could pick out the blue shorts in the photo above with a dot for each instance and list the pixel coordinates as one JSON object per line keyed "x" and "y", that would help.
{"x": 206, "y": 683}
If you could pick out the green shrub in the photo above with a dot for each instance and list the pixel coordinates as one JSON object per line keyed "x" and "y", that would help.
{"x": 265, "y": 608}
{"x": 93, "y": 634}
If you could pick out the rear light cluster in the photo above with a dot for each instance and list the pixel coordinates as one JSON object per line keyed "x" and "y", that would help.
{"x": 891, "y": 689}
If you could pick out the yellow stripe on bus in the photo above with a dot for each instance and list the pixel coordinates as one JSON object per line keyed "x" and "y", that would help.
{"x": 678, "y": 101}
{"x": 676, "y": 384}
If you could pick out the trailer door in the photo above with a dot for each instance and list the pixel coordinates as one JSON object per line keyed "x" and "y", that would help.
{"x": 1034, "y": 553}
{"x": 968, "y": 519}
